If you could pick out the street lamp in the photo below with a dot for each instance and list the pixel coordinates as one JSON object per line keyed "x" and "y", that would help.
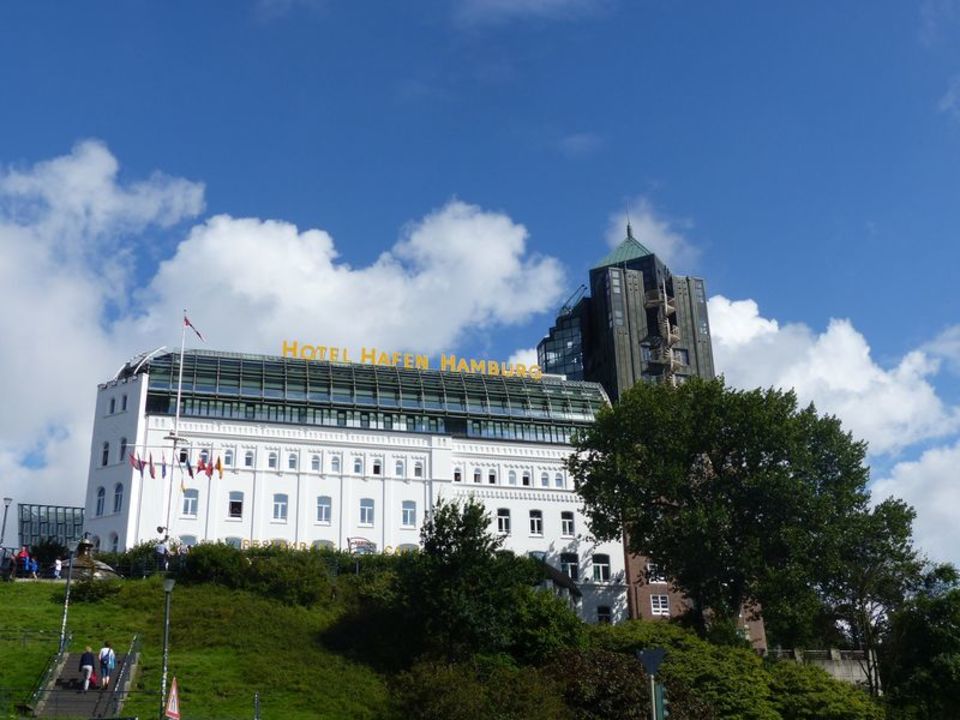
{"x": 167, "y": 591}
{"x": 3, "y": 531}
{"x": 72, "y": 547}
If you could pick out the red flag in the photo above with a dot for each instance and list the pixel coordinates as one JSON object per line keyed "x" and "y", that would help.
{"x": 153, "y": 471}
{"x": 133, "y": 462}
{"x": 187, "y": 323}
{"x": 209, "y": 469}
{"x": 201, "y": 466}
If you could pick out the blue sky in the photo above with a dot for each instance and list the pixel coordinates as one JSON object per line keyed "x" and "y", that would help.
{"x": 802, "y": 159}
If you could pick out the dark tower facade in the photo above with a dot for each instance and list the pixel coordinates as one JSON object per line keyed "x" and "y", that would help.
{"x": 639, "y": 323}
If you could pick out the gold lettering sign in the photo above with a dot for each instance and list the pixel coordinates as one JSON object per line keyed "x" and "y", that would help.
{"x": 376, "y": 356}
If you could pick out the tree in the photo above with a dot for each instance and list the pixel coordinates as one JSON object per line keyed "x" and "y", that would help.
{"x": 463, "y": 594}
{"x": 735, "y": 495}
{"x": 922, "y": 651}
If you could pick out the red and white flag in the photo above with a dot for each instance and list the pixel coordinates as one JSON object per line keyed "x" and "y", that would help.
{"x": 187, "y": 323}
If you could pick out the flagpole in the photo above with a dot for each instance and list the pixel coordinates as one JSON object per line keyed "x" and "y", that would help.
{"x": 175, "y": 436}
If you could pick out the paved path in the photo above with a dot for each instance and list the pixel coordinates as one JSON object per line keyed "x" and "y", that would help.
{"x": 67, "y": 698}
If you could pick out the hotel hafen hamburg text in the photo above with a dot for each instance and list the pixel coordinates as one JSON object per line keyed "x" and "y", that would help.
{"x": 308, "y": 452}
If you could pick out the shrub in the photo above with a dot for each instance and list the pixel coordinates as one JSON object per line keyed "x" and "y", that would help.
{"x": 91, "y": 591}
{"x": 807, "y": 692}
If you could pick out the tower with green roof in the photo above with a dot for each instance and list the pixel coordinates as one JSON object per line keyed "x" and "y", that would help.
{"x": 640, "y": 322}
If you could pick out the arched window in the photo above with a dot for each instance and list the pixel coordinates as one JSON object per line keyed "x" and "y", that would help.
{"x": 399, "y": 468}
{"x": 272, "y": 461}
{"x": 512, "y": 477}
{"x": 101, "y": 501}
{"x": 105, "y": 456}
{"x": 492, "y": 476}
{"x": 113, "y": 405}
{"x": 418, "y": 469}
{"x": 315, "y": 463}
{"x": 204, "y": 456}
{"x": 123, "y": 449}
{"x": 228, "y": 458}
{"x": 358, "y": 466}
{"x": 114, "y": 542}
{"x": 457, "y": 475}
{"x": 123, "y": 403}
{"x": 544, "y": 480}
{"x": 477, "y": 475}
{"x": 292, "y": 461}
{"x": 526, "y": 479}
{"x": 191, "y": 499}
{"x": 279, "y": 506}
{"x": 248, "y": 459}
{"x": 118, "y": 497}
{"x": 335, "y": 463}
{"x": 558, "y": 480}
{"x": 377, "y": 467}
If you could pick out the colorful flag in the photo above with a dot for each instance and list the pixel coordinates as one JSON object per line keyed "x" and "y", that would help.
{"x": 183, "y": 487}
{"x": 209, "y": 469}
{"x": 153, "y": 470}
{"x": 163, "y": 466}
{"x": 219, "y": 467}
{"x": 201, "y": 466}
{"x": 133, "y": 462}
{"x": 189, "y": 469}
{"x": 187, "y": 323}
{"x": 140, "y": 464}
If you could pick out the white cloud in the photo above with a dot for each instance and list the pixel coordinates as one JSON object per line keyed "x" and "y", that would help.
{"x": 947, "y": 346}
{"x": 483, "y": 12}
{"x": 69, "y": 232}
{"x": 950, "y": 101}
{"x": 527, "y": 356}
{"x": 890, "y": 408}
{"x": 931, "y": 485}
{"x": 657, "y": 234}
{"x": 580, "y": 144}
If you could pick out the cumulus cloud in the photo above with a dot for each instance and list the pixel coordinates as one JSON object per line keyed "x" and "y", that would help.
{"x": 249, "y": 284}
{"x": 527, "y": 356}
{"x": 891, "y": 408}
{"x": 659, "y": 235}
{"x": 947, "y": 346}
{"x": 931, "y": 484}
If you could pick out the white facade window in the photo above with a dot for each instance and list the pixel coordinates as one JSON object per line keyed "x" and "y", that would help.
{"x": 503, "y": 521}
{"x": 191, "y": 499}
{"x": 335, "y": 464}
{"x": 366, "y": 511}
{"x": 324, "y": 509}
{"x": 566, "y": 523}
{"x": 457, "y": 475}
{"x": 204, "y": 456}
{"x": 477, "y": 475}
{"x": 315, "y": 463}
{"x": 526, "y": 479}
{"x": 105, "y": 456}
{"x": 248, "y": 459}
{"x": 113, "y": 405}
{"x": 601, "y": 568}
{"x": 408, "y": 513}
{"x": 123, "y": 449}
{"x": 558, "y": 480}
{"x": 512, "y": 477}
{"x": 660, "y": 605}
{"x": 101, "y": 501}
{"x": 272, "y": 461}
{"x": 228, "y": 457}
{"x": 544, "y": 480}
{"x": 292, "y": 461}
{"x": 358, "y": 466}
{"x": 604, "y": 616}
{"x": 492, "y": 477}
{"x": 536, "y": 522}
{"x": 123, "y": 403}
{"x": 377, "y": 467}
{"x": 418, "y": 469}
{"x": 399, "y": 469}
{"x": 118, "y": 497}
{"x": 570, "y": 565}
{"x": 235, "y": 508}
{"x": 279, "y": 506}
{"x": 114, "y": 542}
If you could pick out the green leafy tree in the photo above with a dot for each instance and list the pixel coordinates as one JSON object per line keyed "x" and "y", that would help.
{"x": 807, "y": 692}
{"x": 737, "y": 496}
{"x": 922, "y": 651}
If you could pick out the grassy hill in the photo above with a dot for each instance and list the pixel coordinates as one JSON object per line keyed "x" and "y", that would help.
{"x": 224, "y": 646}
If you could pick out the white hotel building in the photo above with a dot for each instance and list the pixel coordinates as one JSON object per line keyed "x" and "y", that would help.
{"x": 340, "y": 455}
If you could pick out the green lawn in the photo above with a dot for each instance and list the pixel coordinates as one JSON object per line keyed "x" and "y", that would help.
{"x": 224, "y": 647}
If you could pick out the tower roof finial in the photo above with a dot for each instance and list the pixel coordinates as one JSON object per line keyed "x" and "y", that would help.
{"x": 629, "y": 228}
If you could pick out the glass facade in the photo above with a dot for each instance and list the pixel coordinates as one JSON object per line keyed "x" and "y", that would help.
{"x": 561, "y": 351}
{"x": 40, "y": 522}
{"x": 307, "y": 392}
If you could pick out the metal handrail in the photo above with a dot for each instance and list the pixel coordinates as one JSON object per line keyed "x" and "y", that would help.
{"x": 55, "y": 661}
{"x": 118, "y": 694}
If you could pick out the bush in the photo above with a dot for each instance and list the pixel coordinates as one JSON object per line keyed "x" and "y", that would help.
{"x": 807, "y": 692}
{"x": 91, "y": 591}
